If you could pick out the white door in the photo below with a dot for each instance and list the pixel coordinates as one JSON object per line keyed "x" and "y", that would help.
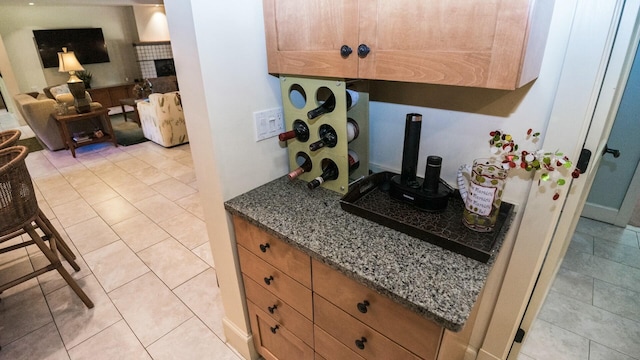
{"x": 607, "y": 103}
{"x": 617, "y": 182}
{"x": 596, "y": 64}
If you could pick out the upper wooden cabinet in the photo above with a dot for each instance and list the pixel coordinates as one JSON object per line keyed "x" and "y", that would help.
{"x": 479, "y": 43}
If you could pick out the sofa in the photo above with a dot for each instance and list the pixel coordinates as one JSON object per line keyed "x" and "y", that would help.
{"x": 36, "y": 109}
{"x": 162, "y": 119}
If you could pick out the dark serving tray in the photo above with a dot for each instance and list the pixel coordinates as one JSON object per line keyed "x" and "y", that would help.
{"x": 369, "y": 199}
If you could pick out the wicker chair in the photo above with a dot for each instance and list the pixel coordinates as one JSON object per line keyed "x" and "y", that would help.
{"x": 19, "y": 212}
{"x": 9, "y": 138}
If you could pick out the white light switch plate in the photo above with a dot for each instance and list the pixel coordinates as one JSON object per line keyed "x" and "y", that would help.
{"x": 268, "y": 123}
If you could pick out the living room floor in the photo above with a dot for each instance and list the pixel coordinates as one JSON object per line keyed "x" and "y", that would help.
{"x": 133, "y": 217}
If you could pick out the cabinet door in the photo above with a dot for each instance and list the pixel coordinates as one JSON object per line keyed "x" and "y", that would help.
{"x": 284, "y": 257}
{"x": 119, "y": 92}
{"x": 279, "y": 311}
{"x": 273, "y": 341}
{"x": 277, "y": 282}
{"x": 407, "y": 328}
{"x": 356, "y": 336}
{"x": 305, "y": 37}
{"x": 101, "y": 96}
{"x": 454, "y": 42}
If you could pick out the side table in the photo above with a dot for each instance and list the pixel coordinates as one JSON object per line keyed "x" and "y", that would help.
{"x": 63, "y": 126}
{"x": 134, "y": 104}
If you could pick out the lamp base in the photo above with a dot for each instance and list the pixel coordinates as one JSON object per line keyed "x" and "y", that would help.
{"x": 82, "y": 105}
{"x": 80, "y": 101}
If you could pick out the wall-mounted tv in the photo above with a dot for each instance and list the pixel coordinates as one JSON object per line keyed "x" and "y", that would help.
{"x": 87, "y": 43}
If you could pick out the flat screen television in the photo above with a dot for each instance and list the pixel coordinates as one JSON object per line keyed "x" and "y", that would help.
{"x": 87, "y": 43}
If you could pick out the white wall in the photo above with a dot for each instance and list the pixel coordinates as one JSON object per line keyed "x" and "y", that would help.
{"x": 8, "y": 82}
{"x": 219, "y": 52}
{"x": 118, "y": 26}
{"x": 151, "y": 22}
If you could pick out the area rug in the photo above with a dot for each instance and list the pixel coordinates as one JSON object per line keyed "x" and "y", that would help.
{"x": 31, "y": 143}
{"x": 127, "y": 132}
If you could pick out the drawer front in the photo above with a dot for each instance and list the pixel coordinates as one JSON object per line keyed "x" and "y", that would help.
{"x": 329, "y": 348}
{"x": 279, "y": 310}
{"x": 347, "y": 330}
{"x": 403, "y": 326}
{"x": 277, "y": 282}
{"x": 273, "y": 341}
{"x": 274, "y": 251}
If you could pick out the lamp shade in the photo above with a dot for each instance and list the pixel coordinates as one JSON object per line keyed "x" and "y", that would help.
{"x": 68, "y": 62}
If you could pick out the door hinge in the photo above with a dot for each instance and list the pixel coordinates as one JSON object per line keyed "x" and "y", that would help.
{"x": 519, "y": 335}
{"x": 583, "y": 160}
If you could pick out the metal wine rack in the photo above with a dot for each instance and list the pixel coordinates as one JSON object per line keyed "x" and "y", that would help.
{"x": 299, "y": 95}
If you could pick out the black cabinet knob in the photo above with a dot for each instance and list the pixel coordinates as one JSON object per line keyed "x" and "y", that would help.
{"x": 264, "y": 247}
{"x": 274, "y": 328}
{"x": 362, "y": 307}
{"x": 345, "y": 51}
{"x": 363, "y": 50}
{"x": 268, "y": 280}
{"x": 272, "y": 308}
{"x": 360, "y": 343}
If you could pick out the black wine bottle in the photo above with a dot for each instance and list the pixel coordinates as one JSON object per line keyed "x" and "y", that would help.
{"x": 329, "y": 172}
{"x": 300, "y": 131}
{"x": 305, "y": 165}
{"x": 328, "y": 138}
{"x": 330, "y": 104}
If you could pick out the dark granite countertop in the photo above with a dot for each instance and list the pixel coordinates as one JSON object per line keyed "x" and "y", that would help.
{"x": 436, "y": 283}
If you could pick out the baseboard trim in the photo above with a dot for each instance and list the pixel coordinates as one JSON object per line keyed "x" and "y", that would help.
{"x": 239, "y": 340}
{"x": 483, "y": 355}
{"x": 599, "y": 213}
{"x": 471, "y": 353}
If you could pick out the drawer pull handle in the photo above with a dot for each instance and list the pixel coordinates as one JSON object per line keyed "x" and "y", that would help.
{"x": 275, "y": 328}
{"x": 268, "y": 280}
{"x": 362, "y": 307}
{"x": 272, "y": 308}
{"x": 264, "y": 247}
{"x": 360, "y": 342}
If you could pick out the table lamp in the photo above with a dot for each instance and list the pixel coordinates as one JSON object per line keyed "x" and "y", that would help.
{"x": 69, "y": 63}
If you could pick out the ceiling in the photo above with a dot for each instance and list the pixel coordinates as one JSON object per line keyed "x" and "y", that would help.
{"x": 83, "y": 2}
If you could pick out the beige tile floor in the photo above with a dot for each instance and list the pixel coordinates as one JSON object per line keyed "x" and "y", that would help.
{"x": 133, "y": 217}
{"x": 593, "y": 309}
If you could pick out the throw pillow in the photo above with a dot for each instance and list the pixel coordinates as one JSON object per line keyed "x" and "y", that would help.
{"x": 60, "y": 89}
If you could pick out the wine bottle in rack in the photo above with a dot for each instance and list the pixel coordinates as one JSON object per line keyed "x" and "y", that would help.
{"x": 352, "y": 130}
{"x": 300, "y": 131}
{"x": 328, "y": 138}
{"x": 354, "y": 160}
{"x": 329, "y": 172}
{"x": 304, "y": 165}
{"x": 330, "y": 104}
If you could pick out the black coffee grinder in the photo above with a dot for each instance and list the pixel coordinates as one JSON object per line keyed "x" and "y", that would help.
{"x": 430, "y": 194}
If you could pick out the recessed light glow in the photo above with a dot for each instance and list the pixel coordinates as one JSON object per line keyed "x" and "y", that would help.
{"x": 32, "y": 4}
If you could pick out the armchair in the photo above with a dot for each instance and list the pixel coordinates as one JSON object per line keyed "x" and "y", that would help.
{"x": 162, "y": 119}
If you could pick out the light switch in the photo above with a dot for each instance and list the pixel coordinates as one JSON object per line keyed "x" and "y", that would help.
{"x": 268, "y": 123}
